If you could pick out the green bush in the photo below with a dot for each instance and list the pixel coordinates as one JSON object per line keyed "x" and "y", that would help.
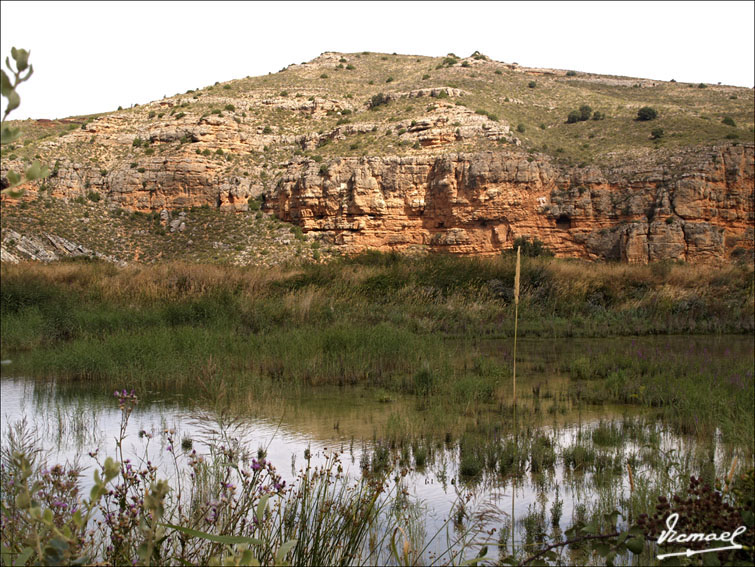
{"x": 230, "y": 107}
{"x": 520, "y": 128}
{"x": 585, "y": 112}
{"x": 532, "y": 84}
{"x": 378, "y": 100}
{"x": 647, "y": 113}
{"x": 729, "y": 121}
{"x": 532, "y": 248}
{"x": 93, "y": 196}
{"x": 656, "y": 133}
{"x": 597, "y": 115}
{"x": 574, "y": 116}
{"x": 180, "y": 115}
{"x": 571, "y": 73}
{"x": 267, "y": 130}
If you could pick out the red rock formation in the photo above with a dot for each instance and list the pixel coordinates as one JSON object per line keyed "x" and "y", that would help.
{"x": 694, "y": 205}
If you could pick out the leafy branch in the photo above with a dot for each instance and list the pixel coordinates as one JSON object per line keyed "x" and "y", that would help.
{"x": 8, "y": 134}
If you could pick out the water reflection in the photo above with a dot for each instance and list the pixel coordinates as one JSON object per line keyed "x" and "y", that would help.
{"x": 530, "y": 481}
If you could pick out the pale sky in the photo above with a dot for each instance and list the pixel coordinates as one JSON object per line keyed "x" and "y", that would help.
{"x": 94, "y": 56}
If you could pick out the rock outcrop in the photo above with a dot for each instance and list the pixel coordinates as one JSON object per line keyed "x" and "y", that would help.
{"x": 693, "y": 205}
{"x": 390, "y": 152}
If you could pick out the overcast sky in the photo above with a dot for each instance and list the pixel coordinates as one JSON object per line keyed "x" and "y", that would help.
{"x": 94, "y": 56}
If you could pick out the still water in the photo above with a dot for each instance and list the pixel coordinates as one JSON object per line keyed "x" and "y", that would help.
{"x": 73, "y": 421}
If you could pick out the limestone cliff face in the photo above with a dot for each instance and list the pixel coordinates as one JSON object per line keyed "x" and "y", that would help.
{"x": 694, "y": 205}
{"x": 443, "y": 169}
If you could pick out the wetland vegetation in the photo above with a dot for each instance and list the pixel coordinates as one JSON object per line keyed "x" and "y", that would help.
{"x": 631, "y": 380}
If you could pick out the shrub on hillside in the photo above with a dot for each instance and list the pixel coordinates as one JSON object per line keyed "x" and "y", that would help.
{"x": 647, "y": 113}
{"x": 531, "y": 248}
{"x": 378, "y": 100}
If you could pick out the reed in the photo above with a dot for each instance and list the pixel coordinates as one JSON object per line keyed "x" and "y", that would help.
{"x": 516, "y": 314}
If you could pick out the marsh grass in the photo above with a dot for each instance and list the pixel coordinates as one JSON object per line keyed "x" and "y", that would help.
{"x": 395, "y": 325}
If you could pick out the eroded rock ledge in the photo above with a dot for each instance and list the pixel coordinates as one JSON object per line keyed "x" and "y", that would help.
{"x": 694, "y": 205}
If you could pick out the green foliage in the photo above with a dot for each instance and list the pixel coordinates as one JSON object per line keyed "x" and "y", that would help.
{"x": 377, "y": 100}
{"x": 94, "y": 196}
{"x": 490, "y": 115}
{"x": 532, "y": 84}
{"x": 267, "y": 130}
{"x": 8, "y": 134}
{"x": 656, "y": 133}
{"x": 647, "y": 113}
{"x": 229, "y": 107}
{"x": 729, "y": 121}
{"x": 254, "y": 204}
{"x": 520, "y": 128}
{"x": 531, "y": 248}
{"x": 571, "y": 73}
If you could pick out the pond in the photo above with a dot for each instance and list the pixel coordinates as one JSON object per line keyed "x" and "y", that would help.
{"x": 555, "y": 462}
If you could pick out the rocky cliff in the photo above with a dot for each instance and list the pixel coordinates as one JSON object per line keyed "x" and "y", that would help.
{"x": 398, "y": 152}
{"x": 693, "y": 205}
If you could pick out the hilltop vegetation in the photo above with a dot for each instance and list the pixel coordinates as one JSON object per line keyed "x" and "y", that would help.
{"x": 535, "y": 103}
{"x": 229, "y": 144}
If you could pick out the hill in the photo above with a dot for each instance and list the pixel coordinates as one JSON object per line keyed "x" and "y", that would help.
{"x": 369, "y": 150}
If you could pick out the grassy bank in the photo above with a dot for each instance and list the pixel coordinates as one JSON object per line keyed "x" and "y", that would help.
{"x": 384, "y": 322}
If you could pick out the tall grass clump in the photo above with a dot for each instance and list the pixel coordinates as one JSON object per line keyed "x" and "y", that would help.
{"x": 223, "y": 506}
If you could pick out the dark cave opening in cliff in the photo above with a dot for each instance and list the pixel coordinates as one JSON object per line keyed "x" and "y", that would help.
{"x": 563, "y": 222}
